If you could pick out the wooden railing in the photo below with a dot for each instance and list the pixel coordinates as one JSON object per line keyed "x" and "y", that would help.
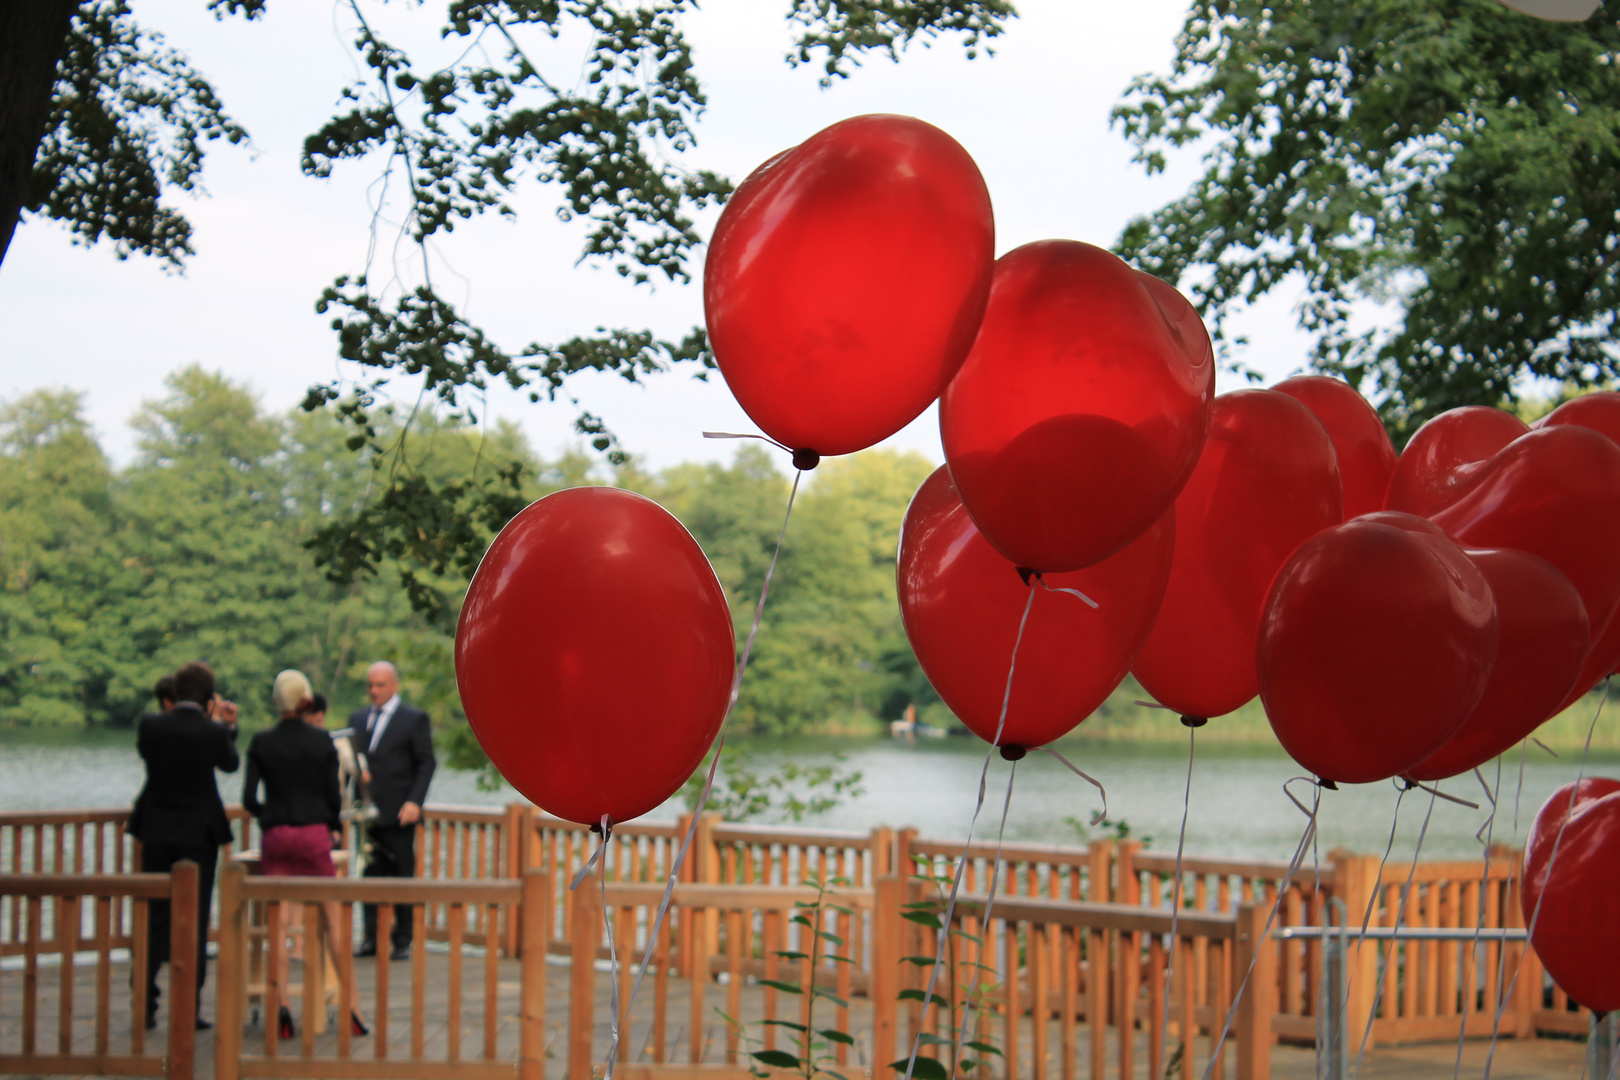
{"x": 465, "y": 996}
{"x": 1429, "y": 989}
{"x": 65, "y": 920}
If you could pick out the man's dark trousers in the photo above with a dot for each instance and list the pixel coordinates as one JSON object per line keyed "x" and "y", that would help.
{"x": 160, "y": 859}
{"x": 396, "y": 857}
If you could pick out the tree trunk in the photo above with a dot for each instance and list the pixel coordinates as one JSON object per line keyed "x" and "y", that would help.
{"x": 33, "y": 34}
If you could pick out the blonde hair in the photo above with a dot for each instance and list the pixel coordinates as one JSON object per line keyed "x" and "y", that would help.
{"x": 290, "y": 690}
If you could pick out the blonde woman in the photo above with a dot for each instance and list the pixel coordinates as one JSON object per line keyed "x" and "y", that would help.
{"x": 298, "y": 817}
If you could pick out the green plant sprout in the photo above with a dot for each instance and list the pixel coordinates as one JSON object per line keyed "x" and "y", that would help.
{"x": 1117, "y": 831}
{"x": 961, "y": 1003}
{"x": 817, "y": 1048}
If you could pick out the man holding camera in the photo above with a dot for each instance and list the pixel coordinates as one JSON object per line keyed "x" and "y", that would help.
{"x": 178, "y": 814}
{"x": 398, "y": 745}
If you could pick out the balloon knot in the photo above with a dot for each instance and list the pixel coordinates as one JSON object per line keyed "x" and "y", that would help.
{"x": 1407, "y": 783}
{"x": 1012, "y": 752}
{"x": 805, "y": 459}
{"x": 1194, "y": 721}
{"x": 1026, "y": 573}
{"x": 1327, "y": 785}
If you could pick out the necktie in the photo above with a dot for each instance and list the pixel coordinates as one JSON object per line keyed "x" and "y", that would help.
{"x": 371, "y": 727}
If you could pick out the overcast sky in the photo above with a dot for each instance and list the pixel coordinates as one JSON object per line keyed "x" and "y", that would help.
{"x": 268, "y": 239}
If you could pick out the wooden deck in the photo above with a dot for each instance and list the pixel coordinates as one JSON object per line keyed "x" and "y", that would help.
{"x": 1516, "y": 1059}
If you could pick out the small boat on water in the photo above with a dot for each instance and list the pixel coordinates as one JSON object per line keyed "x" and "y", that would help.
{"x": 912, "y": 729}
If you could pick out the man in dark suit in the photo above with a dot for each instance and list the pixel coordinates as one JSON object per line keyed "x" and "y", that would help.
{"x": 398, "y": 745}
{"x": 178, "y": 814}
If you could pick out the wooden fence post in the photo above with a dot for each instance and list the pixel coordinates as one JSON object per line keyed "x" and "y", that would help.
{"x": 683, "y": 939}
{"x": 534, "y": 915}
{"x": 1101, "y": 860}
{"x": 587, "y": 931}
{"x": 230, "y": 994}
{"x": 183, "y": 961}
{"x": 882, "y": 848}
{"x": 903, "y": 842}
{"x": 1259, "y": 997}
{"x": 888, "y": 893}
{"x": 1354, "y": 881}
{"x": 513, "y": 828}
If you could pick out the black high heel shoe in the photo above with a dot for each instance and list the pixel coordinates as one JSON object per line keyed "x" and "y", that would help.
{"x": 357, "y": 1026}
{"x": 284, "y": 1024}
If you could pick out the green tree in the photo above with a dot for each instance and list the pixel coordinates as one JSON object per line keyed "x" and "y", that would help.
{"x": 833, "y": 618}
{"x": 55, "y": 558}
{"x": 1455, "y": 159}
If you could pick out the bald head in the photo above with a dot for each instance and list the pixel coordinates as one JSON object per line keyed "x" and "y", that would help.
{"x": 382, "y": 682}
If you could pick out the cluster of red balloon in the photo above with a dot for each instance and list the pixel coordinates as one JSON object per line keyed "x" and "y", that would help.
{"x": 1424, "y": 640}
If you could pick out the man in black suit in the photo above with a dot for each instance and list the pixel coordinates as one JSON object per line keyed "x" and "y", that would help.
{"x": 398, "y": 745}
{"x": 178, "y": 814}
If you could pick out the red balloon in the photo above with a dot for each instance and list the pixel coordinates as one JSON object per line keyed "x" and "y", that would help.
{"x": 1600, "y": 412}
{"x": 961, "y": 604}
{"x": 1366, "y": 454}
{"x": 594, "y": 654}
{"x": 1081, "y": 410}
{"x": 846, "y": 279}
{"x": 1577, "y": 927}
{"x": 1375, "y": 644}
{"x": 1554, "y": 493}
{"x": 1446, "y": 456}
{"x": 1267, "y": 481}
{"x": 1542, "y": 638}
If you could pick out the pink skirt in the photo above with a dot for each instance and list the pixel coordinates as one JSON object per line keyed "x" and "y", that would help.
{"x": 297, "y": 851}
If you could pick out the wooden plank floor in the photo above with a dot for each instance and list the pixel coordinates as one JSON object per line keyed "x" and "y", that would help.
{"x": 1515, "y": 1059}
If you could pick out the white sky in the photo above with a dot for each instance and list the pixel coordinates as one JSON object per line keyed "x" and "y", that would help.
{"x": 268, "y": 239}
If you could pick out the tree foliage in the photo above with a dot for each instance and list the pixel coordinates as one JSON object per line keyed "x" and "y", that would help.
{"x": 129, "y": 121}
{"x": 1456, "y": 159}
{"x": 609, "y": 131}
{"x": 199, "y": 549}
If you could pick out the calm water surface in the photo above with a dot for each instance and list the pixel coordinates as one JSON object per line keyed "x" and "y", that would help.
{"x": 1237, "y": 804}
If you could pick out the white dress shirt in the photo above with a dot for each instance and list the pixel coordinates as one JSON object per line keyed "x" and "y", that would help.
{"x": 379, "y": 721}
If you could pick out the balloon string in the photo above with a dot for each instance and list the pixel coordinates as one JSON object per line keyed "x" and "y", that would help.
{"x": 967, "y": 845}
{"x": 1378, "y": 881}
{"x": 745, "y": 435}
{"x": 1176, "y": 892}
{"x": 1072, "y": 592}
{"x": 1518, "y": 792}
{"x": 596, "y": 856}
{"x": 613, "y": 952}
{"x": 708, "y": 780}
{"x": 1305, "y": 842}
{"x": 1530, "y": 931}
{"x": 1394, "y": 941}
{"x": 1489, "y": 829}
{"x": 1437, "y": 793}
{"x": 1102, "y": 815}
{"x": 984, "y": 925}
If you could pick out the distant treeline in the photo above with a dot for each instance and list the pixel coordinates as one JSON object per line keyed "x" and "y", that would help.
{"x": 196, "y": 550}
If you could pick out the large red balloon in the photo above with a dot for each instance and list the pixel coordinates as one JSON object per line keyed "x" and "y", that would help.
{"x": 1542, "y": 638}
{"x": 961, "y": 604}
{"x": 1554, "y": 493}
{"x": 1267, "y": 481}
{"x": 1375, "y": 644}
{"x": 1081, "y": 410}
{"x": 1577, "y": 929}
{"x": 595, "y": 653}
{"x": 1445, "y": 458}
{"x": 1599, "y": 411}
{"x": 846, "y": 279}
{"x": 1366, "y": 454}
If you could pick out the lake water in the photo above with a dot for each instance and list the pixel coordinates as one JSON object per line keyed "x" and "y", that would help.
{"x": 1238, "y": 806}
